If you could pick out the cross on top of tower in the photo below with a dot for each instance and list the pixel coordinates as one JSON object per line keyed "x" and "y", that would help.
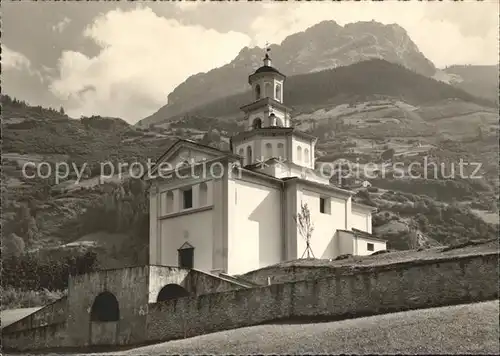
{"x": 267, "y": 59}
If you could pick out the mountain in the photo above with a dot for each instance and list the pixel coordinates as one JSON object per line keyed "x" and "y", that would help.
{"x": 323, "y": 46}
{"x": 481, "y": 81}
{"x": 362, "y": 81}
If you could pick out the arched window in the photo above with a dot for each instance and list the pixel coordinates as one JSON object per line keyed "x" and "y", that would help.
{"x": 257, "y": 123}
{"x": 268, "y": 90}
{"x": 170, "y": 202}
{"x": 241, "y": 152}
{"x": 171, "y": 291}
{"x": 249, "y": 155}
{"x": 269, "y": 150}
{"x": 203, "y": 194}
{"x": 272, "y": 120}
{"x": 299, "y": 153}
{"x": 277, "y": 94}
{"x": 105, "y": 308}
{"x": 306, "y": 155}
{"x": 281, "y": 151}
{"x": 257, "y": 92}
{"x": 279, "y": 122}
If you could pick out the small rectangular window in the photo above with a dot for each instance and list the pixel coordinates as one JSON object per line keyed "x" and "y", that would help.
{"x": 324, "y": 205}
{"x": 370, "y": 247}
{"x": 186, "y": 258}
{"x": 187, "y": 198}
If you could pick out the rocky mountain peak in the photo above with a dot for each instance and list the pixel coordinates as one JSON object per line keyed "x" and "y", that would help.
{"x": 322, "y": 46}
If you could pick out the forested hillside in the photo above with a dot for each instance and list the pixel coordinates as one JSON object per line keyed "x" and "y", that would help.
{"x": 363, "y": 81}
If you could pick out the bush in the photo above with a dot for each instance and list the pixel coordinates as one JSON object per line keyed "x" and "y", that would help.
{"x": 372, "y": 189}
{"x": 13, "y": 245}
{"x": 30, "y": 272}
{"x": 15, "y": 298}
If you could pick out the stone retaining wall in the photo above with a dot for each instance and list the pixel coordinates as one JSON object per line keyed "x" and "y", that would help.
{"x": 418, "y": 285}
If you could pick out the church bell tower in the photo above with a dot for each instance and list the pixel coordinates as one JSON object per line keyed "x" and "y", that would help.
{"x": 267, "y": 109}
{"x": 268, "y": 130}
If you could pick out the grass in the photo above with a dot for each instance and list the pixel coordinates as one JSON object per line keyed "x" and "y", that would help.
{"x": 462, "y": 329}
{"x": 481, "y": 247}
{"x": 487, "y": 216}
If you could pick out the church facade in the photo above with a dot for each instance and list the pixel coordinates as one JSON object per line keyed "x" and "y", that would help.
{"x": 235, "y": 211}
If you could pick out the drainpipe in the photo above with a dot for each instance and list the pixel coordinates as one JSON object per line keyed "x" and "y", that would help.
{"x": 356, "y": 244}
{"x": 284, "y": 211}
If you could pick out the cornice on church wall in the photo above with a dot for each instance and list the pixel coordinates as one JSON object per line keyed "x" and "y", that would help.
{"x": 273, "y": 131}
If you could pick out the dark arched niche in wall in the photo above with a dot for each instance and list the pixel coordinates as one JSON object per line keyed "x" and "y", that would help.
{"x": 257, "y": 92}
{"x": 105, "y": 308}
{"x": 171, "y": 291}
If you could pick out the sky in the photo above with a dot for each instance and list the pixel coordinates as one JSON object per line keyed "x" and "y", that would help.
{"x": 122, "y": 59}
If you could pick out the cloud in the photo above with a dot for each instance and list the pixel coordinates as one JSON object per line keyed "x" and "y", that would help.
{"x": 14, "y": 60}
{"x": 143, "y": 57}
{"x": 61, "y": 25}
{"x": 446, "y": 33}
{"x": 188, "y": 5}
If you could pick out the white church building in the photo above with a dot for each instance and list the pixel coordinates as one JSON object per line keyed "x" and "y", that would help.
{"x": 234, "y": 211}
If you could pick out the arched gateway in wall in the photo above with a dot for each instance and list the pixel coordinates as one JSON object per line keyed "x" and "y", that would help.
{"x": 171, "y": 291}
{"x": 104, "y": 318}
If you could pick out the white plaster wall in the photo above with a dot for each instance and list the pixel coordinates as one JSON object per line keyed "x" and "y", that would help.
{"x": 280, "y": 117}
{"x": 272, "y": 85}
{"x": 268, "y": 85}
{"x": 260, "y": 113}
{"x": 361, "y": 220}
{"x": 345, "y": 243}
{"x": 153, "y": 225}
{"x": 263, "y": 113}
{"x": 274, "y": 144}
{"x": 280, "y": 97}
{"x": 361, "y": 246}
{"x": 296, "y": 142}
{"x": 178, "y": 198}
{"x": 168, "y": 229}
{"x": 244, "y": 147}
{"x": 325, "y": 225}
{"x": 255, "y": 240}
{"x": 195, "y": 228}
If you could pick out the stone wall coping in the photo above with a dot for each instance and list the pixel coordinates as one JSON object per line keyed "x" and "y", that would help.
{"x": 35, "y": 329}
{"x": 370, "y": 268}
{"x": 6, "y": 329}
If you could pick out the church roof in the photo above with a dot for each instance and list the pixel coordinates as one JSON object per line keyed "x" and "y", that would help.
{"x": 185, "y": 246}
{"x": 267, "y": 69}
{"x": 189, "y": 143}
{"x": 268, "y": 162}
{"x": 363, "y": 206}
{"x": 329, "y": 187}
{"x": 181, "y": 141}
{"x": 263, "y": 71}
{"x": 363, "y": 234}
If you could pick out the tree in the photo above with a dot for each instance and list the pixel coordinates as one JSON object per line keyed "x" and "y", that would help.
{"x": 27, "y": 227}
{"x": 306, "y": 228}
{"x": 413, "y": 237}
{"x": 61, "y": 111}
{"x": 388, "y": 154}
{"x": 13, "y": 246}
